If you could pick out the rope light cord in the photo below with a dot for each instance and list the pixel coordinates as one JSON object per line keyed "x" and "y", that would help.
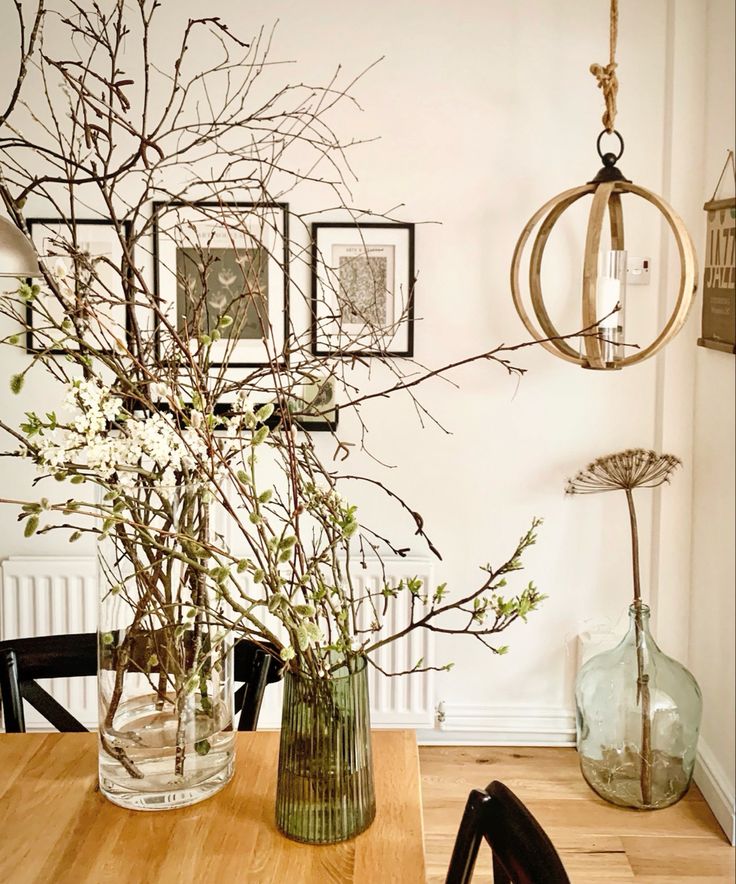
{"x": 606, "y": 74}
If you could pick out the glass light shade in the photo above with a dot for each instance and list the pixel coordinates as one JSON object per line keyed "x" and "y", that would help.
{"x": 17, "y": 255}
{"x": 610, "y": 291}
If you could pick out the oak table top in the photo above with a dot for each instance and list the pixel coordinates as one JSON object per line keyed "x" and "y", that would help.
{"x": 56, "y": 827}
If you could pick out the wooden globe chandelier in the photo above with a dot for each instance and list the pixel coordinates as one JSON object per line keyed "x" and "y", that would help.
{"x": 602, "y": 287}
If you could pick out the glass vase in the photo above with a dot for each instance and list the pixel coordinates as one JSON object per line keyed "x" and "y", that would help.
{"x": 165, "y": 679}
{"x": 325, "y": 787}
{"x": 638, "y": 718}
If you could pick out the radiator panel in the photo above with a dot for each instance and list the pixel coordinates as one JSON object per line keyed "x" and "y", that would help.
{"x": 52, "y": 596}
{"x": 49, "y": 595}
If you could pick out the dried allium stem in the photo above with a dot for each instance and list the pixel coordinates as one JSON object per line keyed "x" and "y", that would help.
{"x": 624, "y": 471}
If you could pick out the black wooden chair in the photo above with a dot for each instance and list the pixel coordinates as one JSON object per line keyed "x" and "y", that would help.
{"x": 522, "y": 852}
{"x": 24, "y": 660}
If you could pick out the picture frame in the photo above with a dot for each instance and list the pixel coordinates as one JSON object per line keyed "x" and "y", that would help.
{"x": 253, "y": 253}
{"x": 315, "y": 412}
{"x": 97, "y": 239}
{"x": 362, "y": 289}
{"x": 318, "y": 410}
{"x": 718, "y": 319}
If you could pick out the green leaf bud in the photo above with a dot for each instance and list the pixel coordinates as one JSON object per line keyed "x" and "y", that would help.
{"x": 259, "y": 436}
{"x": 264, "y": 412}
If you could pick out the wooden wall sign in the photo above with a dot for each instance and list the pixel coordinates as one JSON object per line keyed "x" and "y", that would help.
{"x": 719, "y": 277}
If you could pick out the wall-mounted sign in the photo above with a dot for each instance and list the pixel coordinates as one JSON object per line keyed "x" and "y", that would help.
{"x": 719, "y": 277}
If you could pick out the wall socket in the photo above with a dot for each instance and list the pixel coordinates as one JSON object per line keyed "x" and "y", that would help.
{"x": 637, "y": 271}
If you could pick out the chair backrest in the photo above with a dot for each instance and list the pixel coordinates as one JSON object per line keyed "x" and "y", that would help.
{"x": 24, "y": 660}
{"x": 522, "y": 852}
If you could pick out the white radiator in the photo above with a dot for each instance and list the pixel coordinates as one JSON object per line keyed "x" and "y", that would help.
{"x": 46, "y": 596}
{"x": 41, "y": 595}
{"x": 400, "y": 701}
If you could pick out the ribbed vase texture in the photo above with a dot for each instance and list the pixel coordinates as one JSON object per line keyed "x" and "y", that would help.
{"x": 325, "y": 787}
{"x": 638, "y": 717}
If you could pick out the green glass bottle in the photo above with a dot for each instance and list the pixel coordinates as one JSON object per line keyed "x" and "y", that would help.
{"x": 325, "y": 787}
{"x": 638, "y": 718}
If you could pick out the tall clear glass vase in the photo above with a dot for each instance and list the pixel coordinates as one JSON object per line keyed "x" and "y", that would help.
{"x": 325, "y": 787}
{"x": 638, "y": 718}
{"x": 165, "y": 684}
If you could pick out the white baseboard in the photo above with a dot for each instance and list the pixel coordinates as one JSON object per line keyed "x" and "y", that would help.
{"x": 470, "y": 725}
{"x": 717, "y": 790}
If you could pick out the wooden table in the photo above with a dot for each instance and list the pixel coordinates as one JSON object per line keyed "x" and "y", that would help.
{"x": 56, "y": 828}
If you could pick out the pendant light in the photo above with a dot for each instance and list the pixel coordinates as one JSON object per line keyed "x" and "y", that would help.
{"x": 17, "y": 256}
{"x": 604, "y": 272}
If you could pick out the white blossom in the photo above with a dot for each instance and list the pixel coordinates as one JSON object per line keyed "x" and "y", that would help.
{"x": 116, "y": 446}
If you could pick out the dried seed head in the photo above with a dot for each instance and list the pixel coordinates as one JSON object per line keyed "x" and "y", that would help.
{"x": 633, "y": 468}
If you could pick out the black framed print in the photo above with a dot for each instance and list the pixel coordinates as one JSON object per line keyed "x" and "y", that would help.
{"x": 316, "y": 408}
{"x": 213, "y": 259}
{"x": 85, "y": 257}
{"x": 362, "y": 289}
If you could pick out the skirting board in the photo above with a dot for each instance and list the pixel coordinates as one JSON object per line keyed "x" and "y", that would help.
{"x": 471, "y": 725}
{"x": 718, "y": 792}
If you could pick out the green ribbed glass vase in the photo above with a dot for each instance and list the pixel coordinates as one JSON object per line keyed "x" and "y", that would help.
{"x": 325, "y": 782}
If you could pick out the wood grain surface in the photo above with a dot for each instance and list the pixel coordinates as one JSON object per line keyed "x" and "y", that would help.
{"x": 597, "y": 842}
{"x": 56, "y": 828}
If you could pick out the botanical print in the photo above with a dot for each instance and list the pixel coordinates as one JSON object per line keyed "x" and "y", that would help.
{"x": 235, "y": 284}
{"x": 362, "y": 289}
{"x": 316, "y": 402}
{"x": 365, "y": 284}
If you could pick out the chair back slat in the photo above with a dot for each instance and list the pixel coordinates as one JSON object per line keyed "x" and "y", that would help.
{"x": 263, "y": 669}
{"x": 467, "y": 841}
{"x": 50, "y": 708}
{"x": 24, "y": 660}
{"x": 12, "y": 701}
{"x": 522, "y": 851}
{"x": 56, "y": 656}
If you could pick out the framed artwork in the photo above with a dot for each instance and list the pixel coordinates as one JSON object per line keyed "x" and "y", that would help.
{"x": 316, "y": 408}
{"x": 76, "y": 255}
{"x": 362, "y": 289}
{"x": 312, "y": 409}
{"x": 213, "y": 259}
{"x": 718, "y": 328}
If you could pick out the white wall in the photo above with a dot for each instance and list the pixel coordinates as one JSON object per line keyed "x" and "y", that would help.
{"x": 713, "y": 615}
{"x": 485, "y": 111}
